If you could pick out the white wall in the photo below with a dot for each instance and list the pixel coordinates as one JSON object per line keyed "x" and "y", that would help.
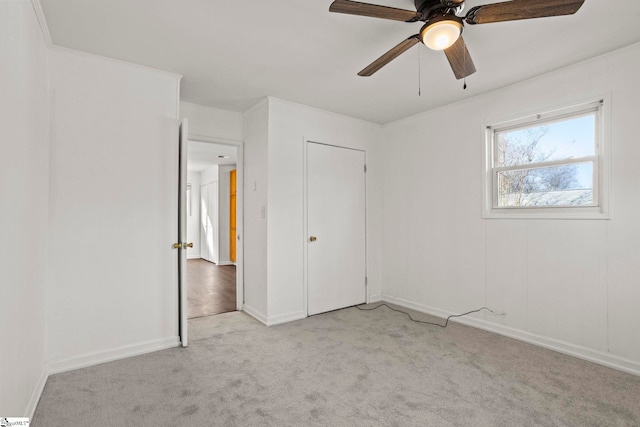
{"x": 113, "y": 271}
{"x": 193, "y": 220}
{"x": 209, "y": 175}
{"x": 212, "y": 124}
{"x": 570, "y": 285}
{"x": 24, "y": 172}
{"x": 256, "y": 129}
{"x": 282, "y": 173}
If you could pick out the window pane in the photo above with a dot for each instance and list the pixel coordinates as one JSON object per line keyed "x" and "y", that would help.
{"x": 559, "y": 140}
{"x": 566, "y": 185}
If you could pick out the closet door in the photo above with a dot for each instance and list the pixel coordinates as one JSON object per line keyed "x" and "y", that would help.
{"x": 336, "y": 255}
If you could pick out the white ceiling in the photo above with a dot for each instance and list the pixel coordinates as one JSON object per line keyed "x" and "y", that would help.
{"x": 232, "y": 53}
{"x": 203, "y": 155}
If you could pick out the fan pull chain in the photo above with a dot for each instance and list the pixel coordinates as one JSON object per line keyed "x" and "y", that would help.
{"x": 419, "y": 74}
{"x": 464, "y": 85}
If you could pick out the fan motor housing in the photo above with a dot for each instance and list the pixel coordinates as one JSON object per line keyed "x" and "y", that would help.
{"x": 427, "y": 7}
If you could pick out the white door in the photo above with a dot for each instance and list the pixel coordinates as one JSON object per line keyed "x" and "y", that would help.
{"x": 204, "y": 222}
{"x": 209, "y": 218}
{"x": 214, "y": 254}
{"x": 182, "y": 233}
{"x": 206, "y": 217}
{"x": 336, "y": 255}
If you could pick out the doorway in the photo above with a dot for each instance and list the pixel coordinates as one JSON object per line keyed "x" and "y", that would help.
{"x": 212, "y": 288}
{"x": 211, "y": 267}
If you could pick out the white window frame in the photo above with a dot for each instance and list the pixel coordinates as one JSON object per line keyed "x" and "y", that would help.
{"x": 599, "y": 209}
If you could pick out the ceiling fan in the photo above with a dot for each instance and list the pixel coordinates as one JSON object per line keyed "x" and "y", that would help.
{"x": 443, "y": 25}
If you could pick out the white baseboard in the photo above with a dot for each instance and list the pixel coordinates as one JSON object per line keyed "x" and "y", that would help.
{"x": 96, "y": 358}
{"x": 374, "y": 298}
{"x": 595, "y": 356}
{"x": 273, "y": 320}
{"x": 254, "y": 313}
{"x": 284, "y": 318}
{"x": 90, "y": 359}
{"x": 37, "y": 392}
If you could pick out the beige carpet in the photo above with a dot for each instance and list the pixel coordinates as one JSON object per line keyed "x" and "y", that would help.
{"x": 345, "y": 368}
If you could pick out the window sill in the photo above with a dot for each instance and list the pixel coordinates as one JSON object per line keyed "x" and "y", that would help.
{"x": 588, "y": 213}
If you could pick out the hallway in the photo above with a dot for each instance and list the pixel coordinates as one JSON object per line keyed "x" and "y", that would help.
{"x": 212, "y": 288}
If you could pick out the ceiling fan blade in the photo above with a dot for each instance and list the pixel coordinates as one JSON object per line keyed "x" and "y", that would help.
{"x": 521, "y": 9}
{"x": 373, "y": 10}
{"x": 399, "y": 49}
{"x": 460, "y": 60}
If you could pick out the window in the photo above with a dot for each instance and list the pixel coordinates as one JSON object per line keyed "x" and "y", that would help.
{"x": 547, "y": 165}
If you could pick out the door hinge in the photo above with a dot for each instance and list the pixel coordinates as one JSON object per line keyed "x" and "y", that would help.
{"x": 365, "y": 281}
{"x": 365, "y": 168}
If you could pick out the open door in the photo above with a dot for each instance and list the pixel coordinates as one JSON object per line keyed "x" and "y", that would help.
{"x": 182, "y": 232}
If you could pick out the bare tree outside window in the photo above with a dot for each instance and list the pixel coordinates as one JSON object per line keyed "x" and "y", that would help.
{"x": 536, "y": 166}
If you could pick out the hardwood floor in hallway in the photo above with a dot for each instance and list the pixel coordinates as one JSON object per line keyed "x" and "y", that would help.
{"x": 212, "y": 288}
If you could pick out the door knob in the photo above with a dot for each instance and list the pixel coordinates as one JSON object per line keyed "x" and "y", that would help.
{"x": 313, "y": 238}
{"x": 182, "y": 245}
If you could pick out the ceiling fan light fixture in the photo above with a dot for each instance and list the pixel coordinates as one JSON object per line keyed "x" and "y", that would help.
{"x": 441, "y": 33}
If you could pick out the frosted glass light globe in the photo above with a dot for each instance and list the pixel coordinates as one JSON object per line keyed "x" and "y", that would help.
{"x": 441, "y": 35}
